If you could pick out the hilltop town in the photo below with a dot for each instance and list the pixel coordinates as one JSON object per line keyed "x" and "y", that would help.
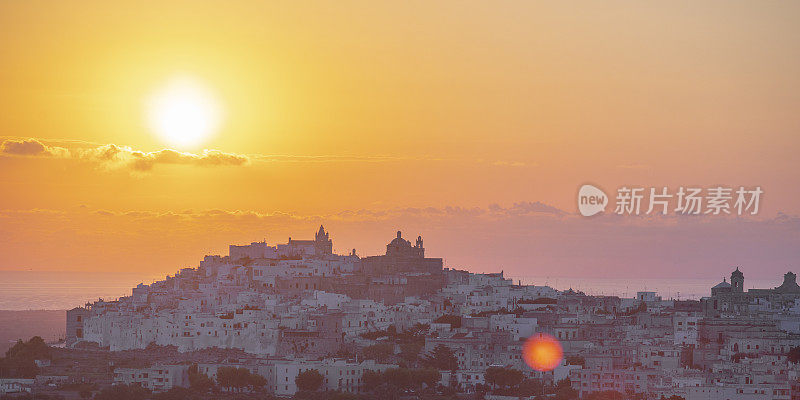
{"x": 402, "y": 325}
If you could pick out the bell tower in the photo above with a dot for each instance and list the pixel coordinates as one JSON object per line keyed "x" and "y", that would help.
{"x": 323, "y": 245}
{"x": 737, "y": 281}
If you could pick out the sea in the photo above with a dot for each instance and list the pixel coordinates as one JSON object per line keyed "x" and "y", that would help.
{"x": 62, "y": 290}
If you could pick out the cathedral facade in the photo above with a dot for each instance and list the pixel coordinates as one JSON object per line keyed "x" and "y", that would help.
{"x": 732, "y": 299}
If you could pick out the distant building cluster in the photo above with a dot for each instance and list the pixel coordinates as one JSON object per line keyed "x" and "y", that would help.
{"x": 298, "y": 306}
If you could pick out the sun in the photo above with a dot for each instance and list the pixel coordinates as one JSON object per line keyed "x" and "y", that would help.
{"x": 183, "y": 113}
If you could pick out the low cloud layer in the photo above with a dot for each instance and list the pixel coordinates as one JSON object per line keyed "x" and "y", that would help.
{"x": 112, "y": 156}
{"x": 32, "y": 148}
{"x": 120, "y": 156}
{"x": 528, "y": 239}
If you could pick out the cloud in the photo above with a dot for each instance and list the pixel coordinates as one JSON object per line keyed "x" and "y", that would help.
{"x": 634, "y": 166}
{"x": 502, "y": 163}
{"x": 112, "y": 156}
{"x": 530, "y": 239}
{"x": 339, "y": 158}
{"x": 32, "y": 148}
{"x": 526, "y": 208}
{"x": 507, "y": 163}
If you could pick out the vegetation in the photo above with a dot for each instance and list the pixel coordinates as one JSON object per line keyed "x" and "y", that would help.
{"x": 441, "y": 358}
{"x": 415, "y": 333}
{"x": 794, "y": 355}
{"x": 238, "y": 379}
{"x": 374, "y": 335}
{"x": 177, "y": 393}
{"x": 394, "y": 381}
{"x": 511, "y": 382}
{"x": 540, "y": 300}
{"x": 329, "y": 395}
{"x": 198, "y": 381}
{"x": 19, "y": 361}
{"x": 409, "y": 352}
{"x": 380, "y": 352}
{"x": 453, "y": 320}
{"x": 28, "y": 396}
{"x": 606, "y": 395}
{"x": 503, "y": 377}
{"x": 309, "y": 380}
{"x": 529, "y": 387}
{"x": 123, "y": 392}
{"x": 564, "y": 390}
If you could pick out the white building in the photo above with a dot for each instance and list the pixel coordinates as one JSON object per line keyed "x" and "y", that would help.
{"x": 156, "y": 378}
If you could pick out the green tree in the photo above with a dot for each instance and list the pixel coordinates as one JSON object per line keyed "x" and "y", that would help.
{"x": 564, "y": 390}
{"x": 529, "y": 387}
{"x": 123, "y": 392}
{"x": 409, "y": 352}
{"x": 416, "y": 333}
{"x": 398, "y": 378}
{"x": 427, "y": 376}
{"x": 309, "y": 380}
{"x": 441, "y": 358}
{"x": 371, "y": 379}
{"x": 503, "y": 377}
{"x": 329, "y": 395}
{"x": 35, "y": 348}
{"x": 226, "y": 377}
{"x": 606, "y": 395}
{"x": 177, "y": 393}
{"x": 256, "y": 381}
{"x": 198, "y": 381}
{"x": 794, "y": 355}
{"x": 19, "y": 361}
{"x": 379, "y": 352}
{"x": 237, "y": 379}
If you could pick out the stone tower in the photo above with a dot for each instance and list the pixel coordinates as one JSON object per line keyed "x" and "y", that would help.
{"x": 737, "y": 281}
{"x": 323, "y": 245}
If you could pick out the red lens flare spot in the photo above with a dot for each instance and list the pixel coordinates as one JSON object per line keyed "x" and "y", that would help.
{"x": 542, "y": 352}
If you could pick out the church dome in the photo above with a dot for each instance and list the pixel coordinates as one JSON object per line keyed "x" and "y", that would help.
{"x": 722, "y": 285}
{"x": 399, "y": 242}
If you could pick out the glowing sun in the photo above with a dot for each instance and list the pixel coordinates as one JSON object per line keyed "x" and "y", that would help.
{"x": 183, "y": 113}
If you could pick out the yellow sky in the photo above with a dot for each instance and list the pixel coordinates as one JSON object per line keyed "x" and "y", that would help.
{"x": 346, "y": 105}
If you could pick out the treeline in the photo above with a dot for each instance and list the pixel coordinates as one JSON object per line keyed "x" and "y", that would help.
{"x": 20, "y": 359}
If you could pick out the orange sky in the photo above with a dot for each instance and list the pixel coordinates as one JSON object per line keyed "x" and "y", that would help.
{"x": 336, "y": 107}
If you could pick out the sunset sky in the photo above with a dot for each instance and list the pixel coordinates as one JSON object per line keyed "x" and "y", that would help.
{"x": 471, "y": 123}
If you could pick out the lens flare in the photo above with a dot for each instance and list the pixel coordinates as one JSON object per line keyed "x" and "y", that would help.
{"x": 542, "y": 352}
